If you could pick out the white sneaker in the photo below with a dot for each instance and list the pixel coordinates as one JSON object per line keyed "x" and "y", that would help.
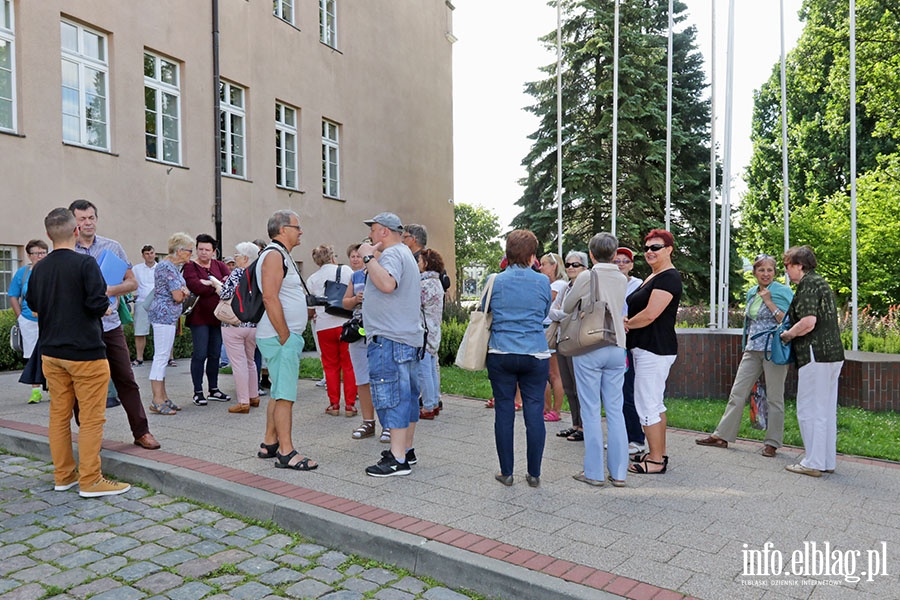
{"x": 321, "y": 383}
{"x": 104, "y": 487}
{"x": 636, "y": 448}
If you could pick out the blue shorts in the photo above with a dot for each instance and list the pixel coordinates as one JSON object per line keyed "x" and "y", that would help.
{"x": 284, "y": 365}
{"x": 393, "y": 377}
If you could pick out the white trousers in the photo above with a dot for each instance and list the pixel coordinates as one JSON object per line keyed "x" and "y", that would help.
{"x": 163, "y": 337}
{"x": 817, "y": 392}
{"x": 650, "y": 374}
{"x": 29, "y": 331}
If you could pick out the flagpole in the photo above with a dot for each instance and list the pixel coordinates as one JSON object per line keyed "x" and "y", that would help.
{"x": 615, "y": 118}
{"x": 559, "y": 189}
{"x": 669, "y": 120}
{"x": 853, "y": 256}
{"x": 713, "y": 321}
{"x": 725, "y": 254}
{"x": 784, "y": 140}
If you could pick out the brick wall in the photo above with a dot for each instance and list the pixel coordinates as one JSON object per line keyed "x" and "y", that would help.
{"x": 708, "y": 360}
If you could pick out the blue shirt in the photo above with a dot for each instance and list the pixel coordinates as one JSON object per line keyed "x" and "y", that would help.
{"x": 519, "y": 303}
{"x": 110, "y": 321}
{"x": 17, "y": 289}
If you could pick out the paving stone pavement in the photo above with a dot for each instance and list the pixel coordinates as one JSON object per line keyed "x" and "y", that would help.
{"x": 56, "y": 544}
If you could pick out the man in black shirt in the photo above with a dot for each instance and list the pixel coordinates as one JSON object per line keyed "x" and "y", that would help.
{"x": 68, "y": 294}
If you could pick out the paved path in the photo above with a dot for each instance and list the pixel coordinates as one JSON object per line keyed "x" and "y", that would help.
{"x": 685, "y": 533}
{"x": 144, "y": 544}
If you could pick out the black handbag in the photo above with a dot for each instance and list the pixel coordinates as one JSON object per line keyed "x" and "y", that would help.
{"x": 334, "y": 294}
{"x": 352, "y": 330}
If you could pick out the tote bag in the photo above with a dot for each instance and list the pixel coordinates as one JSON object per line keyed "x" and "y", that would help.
{"x": 778, "y": 351}
{"x": 472, "y": 351}
{"x": 590, "y": 326}
{"x": 334, "y": 292}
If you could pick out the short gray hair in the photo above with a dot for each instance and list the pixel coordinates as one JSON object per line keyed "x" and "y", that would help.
{"x": 603, "y": 247}
{"x": 179, "y": 241}
{"x": 248, "y": 249}
{"x": 419, "y": 232}
{"x": 581, "y": 256}
{"x": 279, "y": 219}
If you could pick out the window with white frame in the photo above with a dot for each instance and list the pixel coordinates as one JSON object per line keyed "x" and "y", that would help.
{"x": 7, "y": 67}
{"x": 162, "y": 109}
{"x": 284, "y": 10}
{"x": 231, "y": 127}
{"x": 328, "y": 22}
{"x": 9, "y": 264}
{"x": 285, "y": 146}
{"x": 85, "y": 86}
{"x": 331, "y": 180}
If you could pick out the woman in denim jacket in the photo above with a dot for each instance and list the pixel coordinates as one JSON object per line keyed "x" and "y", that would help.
{"x": 518, "y": 354}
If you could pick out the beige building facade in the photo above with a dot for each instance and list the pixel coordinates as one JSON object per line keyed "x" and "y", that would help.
{"x": 338, "y": 109}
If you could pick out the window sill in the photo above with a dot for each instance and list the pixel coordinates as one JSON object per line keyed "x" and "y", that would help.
{"x": 166, "y": 164}
{"x": 335, "y": 198}
{"x": 12, "y": 133}
{"x": 236, "y": 177}
{"x": 288, "y": 23}
{"x": 91, "y": 148}
{"x": 290, "y": 189}
{"x": 330, "y": 47}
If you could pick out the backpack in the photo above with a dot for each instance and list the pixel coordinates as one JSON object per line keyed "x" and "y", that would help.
{"x": 247, "y": 302}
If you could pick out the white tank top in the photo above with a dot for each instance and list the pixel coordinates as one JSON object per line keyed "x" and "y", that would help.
{"x": 292, "y": 296}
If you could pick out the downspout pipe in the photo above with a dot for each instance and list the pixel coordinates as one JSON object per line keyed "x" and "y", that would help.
{"x": 217, "y": 132}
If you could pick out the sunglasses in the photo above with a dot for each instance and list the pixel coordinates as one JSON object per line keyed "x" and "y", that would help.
{"x": 622, "y": 261}
{"x": 574, "y": 265}
{"x": 654, "y": 247}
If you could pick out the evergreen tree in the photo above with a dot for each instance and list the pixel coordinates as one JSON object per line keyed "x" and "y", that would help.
{"x": 587, "y": 135}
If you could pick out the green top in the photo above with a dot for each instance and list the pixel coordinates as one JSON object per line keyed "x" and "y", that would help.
{"x": 815, "y": 298}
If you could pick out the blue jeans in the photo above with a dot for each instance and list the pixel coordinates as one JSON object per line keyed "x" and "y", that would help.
{"x": 207, "y": 341}
{"x": 506, "y": 372}
{"x": 429, "y": 381}
{"x": 394, "y": 382}
{"x": 599, "y": 375}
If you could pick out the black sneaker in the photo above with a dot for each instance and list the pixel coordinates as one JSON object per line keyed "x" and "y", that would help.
{"x": 219, "y": 396}
{"x": 410, "y": 456}
{"x": 388, "y": 467}
{"x": 199, "y": 400}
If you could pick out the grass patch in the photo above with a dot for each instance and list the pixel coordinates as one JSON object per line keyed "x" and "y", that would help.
{"x": 311, "y": 368}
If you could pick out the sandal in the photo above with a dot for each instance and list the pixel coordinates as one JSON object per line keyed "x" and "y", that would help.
{"x": 712, "y": 441}
{"x": 642, "y": 468}
{"x": 172, "y": 363}
{"x": 489, "y": 403}
{"x": 271, "y": 450}
{"x": 366, "y": 430}
{"x": 136, "y": 363}
{"x": 577, "y": 436}
{"x": 161, "y": 409}
{"x": 351, "y": 411}
{"x": 385, "y": 436}
{"x": 585, "y": 479}
{"x": 519, "y": 407}
{"x": 566, "y": 432}
{"x": 171, "y": 405}
{"x": 551, "y": 415}
{"x": 334, "y": 410}
{"x": 639, "y": 457}
{"x": 284, "y": 462}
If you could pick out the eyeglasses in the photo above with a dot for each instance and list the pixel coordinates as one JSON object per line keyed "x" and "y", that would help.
{"x": 760, "y": 257}
{"x": 574, "y": 265}
{"x": 297, "y": 227}
{"x": 38, "y": 253}
{"x": 622, "y": 261}
{"x": 191, "y": 250}
{"x": 654, "y": 247}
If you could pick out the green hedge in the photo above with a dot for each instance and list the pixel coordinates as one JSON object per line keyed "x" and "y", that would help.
{"x": 451, "y": 335}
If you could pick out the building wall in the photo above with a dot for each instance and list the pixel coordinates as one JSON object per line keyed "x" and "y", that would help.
{"x": 387, "y": 84}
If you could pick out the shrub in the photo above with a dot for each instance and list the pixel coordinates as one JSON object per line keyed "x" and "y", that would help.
{"x": 9, "y": 360}
{"x": 451, "y": 336}
{"x": 182, "y": 348}
{"x": 454, "y": 311}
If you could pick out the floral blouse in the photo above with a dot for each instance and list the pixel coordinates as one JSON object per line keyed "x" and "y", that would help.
{"x": 432, "y": 309}
{"x": 166, "y": 279}
{"x": 227, "y": 292}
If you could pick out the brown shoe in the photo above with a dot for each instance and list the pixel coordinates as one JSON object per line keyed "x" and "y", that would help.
{"x": 254, "y": 402}
{"x": 768, "y": 451}
{"x": 712, "y": 441}
{"x": 241, "y": 409}
{"x": 147, "y": 441}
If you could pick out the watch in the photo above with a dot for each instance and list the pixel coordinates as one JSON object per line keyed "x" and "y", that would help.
{"x": 366, "y": 259}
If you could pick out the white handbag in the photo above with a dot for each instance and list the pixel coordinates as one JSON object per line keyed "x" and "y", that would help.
{"x": 472, "y": 352}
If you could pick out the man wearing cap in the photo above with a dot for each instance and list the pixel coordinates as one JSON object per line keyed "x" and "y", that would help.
{"x": 394, "y": 337}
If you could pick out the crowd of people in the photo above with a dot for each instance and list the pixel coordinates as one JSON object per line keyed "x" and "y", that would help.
{"x": 377, "y": 324}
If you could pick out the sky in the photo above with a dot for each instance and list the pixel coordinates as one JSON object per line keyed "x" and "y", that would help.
{"x": 498, "y": 51}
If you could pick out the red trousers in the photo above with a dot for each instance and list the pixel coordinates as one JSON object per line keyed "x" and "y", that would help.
{"x": 336, "y": 363}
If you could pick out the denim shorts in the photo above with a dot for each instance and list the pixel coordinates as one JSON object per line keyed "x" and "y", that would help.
{"x": 393, "y": 378}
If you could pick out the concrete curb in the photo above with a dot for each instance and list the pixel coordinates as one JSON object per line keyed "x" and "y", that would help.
{"x": 423, "y": 557}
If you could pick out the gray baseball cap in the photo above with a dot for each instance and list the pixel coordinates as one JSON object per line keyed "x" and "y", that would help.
{"x": 387, "y": 219}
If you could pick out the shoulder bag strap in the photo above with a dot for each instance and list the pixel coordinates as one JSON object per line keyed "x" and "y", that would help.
{"x": 488, "y": 292}
{"x": 288, "y": 258}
